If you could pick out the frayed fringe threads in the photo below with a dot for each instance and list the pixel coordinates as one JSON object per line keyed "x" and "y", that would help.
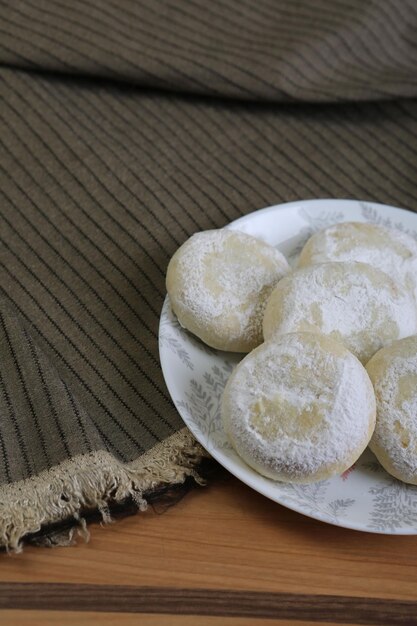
{"x": 90, "y": 482}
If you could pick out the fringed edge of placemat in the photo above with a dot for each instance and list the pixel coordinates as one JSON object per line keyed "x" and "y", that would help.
{"x": 92, "y": 482}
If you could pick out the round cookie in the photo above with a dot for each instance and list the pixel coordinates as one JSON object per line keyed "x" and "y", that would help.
{"x": 387, "y": 249}
{"x": 218, "y": 283}
{"x": 300, "y": 408}
{"x": 393, "y": 372}
{"x": 352, "y": 302}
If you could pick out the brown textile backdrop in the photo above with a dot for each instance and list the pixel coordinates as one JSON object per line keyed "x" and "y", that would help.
{"x": 126, "y": 127}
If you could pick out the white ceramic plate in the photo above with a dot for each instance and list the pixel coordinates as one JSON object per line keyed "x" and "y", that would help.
{"x": 365, "y": 497}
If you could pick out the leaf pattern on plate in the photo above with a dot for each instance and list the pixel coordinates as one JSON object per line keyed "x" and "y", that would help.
{"x": 318, "y": 221}
{"x": 337, "y": 508}
{"x": 371, "y": 214}
{"x": 312, "y": 496}
{"x": 394, "y": 505}
{"x": 165, "y": 339}
{"x": 203, "y": 402}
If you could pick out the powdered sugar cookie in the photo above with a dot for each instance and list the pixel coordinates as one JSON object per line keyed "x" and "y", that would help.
{"x": 393, "y": 371}
{"x": 299, "y": 408}
{"x": 354, "y": 303}
{"x": 218, "y": 283}
{"x": 387, "y": 249}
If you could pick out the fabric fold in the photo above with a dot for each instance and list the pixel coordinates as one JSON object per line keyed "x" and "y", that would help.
{"x": 275, "y": 51}
{"x": 43, "y": 423}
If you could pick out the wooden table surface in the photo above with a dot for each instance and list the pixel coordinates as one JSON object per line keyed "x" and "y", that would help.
{"x": 222, "y": 555}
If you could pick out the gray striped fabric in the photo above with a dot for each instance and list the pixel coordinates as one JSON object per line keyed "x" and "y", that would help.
{"x": 126, "y": 127}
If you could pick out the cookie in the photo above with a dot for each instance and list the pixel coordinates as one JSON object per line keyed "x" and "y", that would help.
{"x": 387, "y": 249}
{"x": 393, "y": 371}
{"x": 218, "y": 283}
{"x": 299, "y": 408}
{"x": 354, "y": 303}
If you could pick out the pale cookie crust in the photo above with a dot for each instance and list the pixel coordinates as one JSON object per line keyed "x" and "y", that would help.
{"x": 299, "y": 409}
{"x": 393, "y": 371}
{"x": 387, "y": 249}
{"x": 354, "y": 303}
{"x": 218, "y": 283}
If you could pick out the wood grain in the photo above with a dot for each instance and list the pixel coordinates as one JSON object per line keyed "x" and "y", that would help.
{"x": 207, "y": 602}
{"x": 69, "y": 618}
{"x": 226, "y": 536}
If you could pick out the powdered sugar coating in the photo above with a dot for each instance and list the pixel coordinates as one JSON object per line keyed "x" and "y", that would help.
{"x": 219, "y": 281}
{"x": 299, "y": 408}
{"x": 354, "y": 303}
{"x": 393, "y": 371}
{"x": 387, "y": 249}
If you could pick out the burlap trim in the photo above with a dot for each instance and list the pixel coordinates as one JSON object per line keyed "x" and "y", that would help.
{"x": 90, "y": 482}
